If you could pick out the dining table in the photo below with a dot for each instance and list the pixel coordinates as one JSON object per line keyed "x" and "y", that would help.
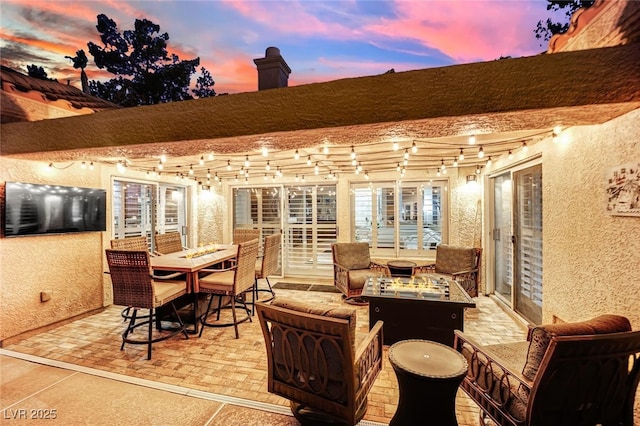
{"x": 192, "y": 262}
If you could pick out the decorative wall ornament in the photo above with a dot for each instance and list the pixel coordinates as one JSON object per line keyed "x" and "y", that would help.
{"x": 623, "y": 190}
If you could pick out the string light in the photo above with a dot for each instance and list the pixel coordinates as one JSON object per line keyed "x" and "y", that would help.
{"x": 91, "y": 166}
{"x": 190, "y": 169}
{"x": 160, "y": 165}
{"x": 455, "y": 162}
{"x": 215, "y": 177}
{"x": 201, "y": 161}
{"x": 398, "y": 167}
{"x": 353, "y": 153}
{"x": 480, "y": 152}
{"x": 163, "y": 158}
{"x": 296, "y": 156}
{"x": 228, "y": 165}
{"x": 414, "y": 148}
{"x": 406, "y": 154}
{"x": 510, "y": 155}
{"x": 472, "y": 140}
{"x": 442, "y": 166}
{"x": 461, "y": 156}
{"x": 525, "y": 148}
{"x": 317, "y": 169}
{"x": 359, "y": 168}
{"x": 395, "y": 145}
{"x": 308, "y": 160}
{"x": 211, "y": 156}
{"x": 246, "y": 161}
{"x": 489, "y": 161}
{"x": 265, "y": 151}
{"x": 83, "y": 165}
{"x": 268, "y": 166}
{"x": 208, "y": 174}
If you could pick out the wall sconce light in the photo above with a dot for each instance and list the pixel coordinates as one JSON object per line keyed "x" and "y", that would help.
{"x": 471, "y": 179}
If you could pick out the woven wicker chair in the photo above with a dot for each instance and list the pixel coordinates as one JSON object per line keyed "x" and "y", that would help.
{"x": 352, "y": 267}
{"x": 314, "y": 362}
{"x": 267, "y": 265}
{"x": 461, "y": 263}
{"x": 242, "y": 235}
{"x": 130, "y": 243}
{"x": 169, "y": 242}
{"x": 568, "y": 374}
{"x": 233, "y": 282}
{"x": 134, "y": 286}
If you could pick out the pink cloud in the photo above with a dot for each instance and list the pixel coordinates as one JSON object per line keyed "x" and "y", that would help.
{"x": 464, "y": 30}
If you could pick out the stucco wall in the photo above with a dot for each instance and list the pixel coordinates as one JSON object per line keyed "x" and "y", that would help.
{"x": 69, "y": 265}
{"x": 591, "y": 260}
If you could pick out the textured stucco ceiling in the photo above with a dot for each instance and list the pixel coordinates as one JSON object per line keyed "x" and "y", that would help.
{"x": 503, "y": 102}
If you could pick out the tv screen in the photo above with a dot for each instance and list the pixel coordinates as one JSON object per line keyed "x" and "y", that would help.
{"x": 32, "y": 209}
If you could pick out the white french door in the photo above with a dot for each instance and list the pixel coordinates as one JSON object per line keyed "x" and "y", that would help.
{"x": 144, "y": 208}
{"x": 517, "y": 240}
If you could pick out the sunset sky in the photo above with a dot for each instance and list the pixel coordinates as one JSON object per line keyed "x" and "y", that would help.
{"x": 320, "y": 40}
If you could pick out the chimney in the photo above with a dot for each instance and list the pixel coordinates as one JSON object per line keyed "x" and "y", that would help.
{"x": 273, "y": 71}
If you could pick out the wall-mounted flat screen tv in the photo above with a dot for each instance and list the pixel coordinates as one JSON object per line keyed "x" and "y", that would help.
{"x": 33, "y": 209}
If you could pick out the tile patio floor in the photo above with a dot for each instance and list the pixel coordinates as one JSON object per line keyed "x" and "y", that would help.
{"x": 78, "y": 370}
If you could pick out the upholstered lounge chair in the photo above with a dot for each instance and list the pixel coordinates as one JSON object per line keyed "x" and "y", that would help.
{"x": 352, "y": 267}
{"x": 314, "y": 361}
{"x": 583, "y": 373}
{"x": 461, "y": 263}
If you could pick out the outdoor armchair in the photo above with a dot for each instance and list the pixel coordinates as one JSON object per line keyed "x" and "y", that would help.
{"x": 460, "y": 263}
{"x": 314, "y": 361}
{"x": 352, "y": 267}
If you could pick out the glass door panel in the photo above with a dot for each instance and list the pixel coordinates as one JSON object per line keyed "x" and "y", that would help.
{"x": 502, "y": 246}
{"x": 310, "y": 229}
{"x": 528, "y": 243}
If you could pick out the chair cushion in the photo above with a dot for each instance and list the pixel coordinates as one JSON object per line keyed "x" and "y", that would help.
{"x": 540, "y": 337}
{"x": 348, "y": 314}
{"x": 358, "y": 277}
{"x": 217, "y": 282}
{"x": 166, "y": 291}
{"x": 352, "y": 255}
{"x": 453, "y": 259}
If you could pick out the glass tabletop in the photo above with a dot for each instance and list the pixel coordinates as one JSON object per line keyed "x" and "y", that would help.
{"x": 433, "y": 287}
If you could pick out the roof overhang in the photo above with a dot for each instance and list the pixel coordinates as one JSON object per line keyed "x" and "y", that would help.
{"x": 511, "y": 96}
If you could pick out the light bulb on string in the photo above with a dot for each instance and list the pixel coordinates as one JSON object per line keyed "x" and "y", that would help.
{"x": 510, "y": 155}
{"x": 406, "y": 154}
{"x": 228, "y": 165}
{"x": 265, "y": 151}
{"x": 190, "y": 169}
{"x": 442, "y": 166}
{"x": 472, "y": 140}
{"x": 201, "y": 161}
{"x": 461, "y": 156}
{"x": 208, "y": 174}
{"x": 211, "y": 156}
{"x": 308, "y": 160}
{"x": 414, "y": 148}
{"x": 163, "y": 158}
{"x": 296, "y": 156}
{"x": 455, "y": 162}
{"x": 353, "y": 153}
{"x": 91, "y": 165}
{"x": 525, "y": 148}
{"x": 480, "y": 152}
{"x": 395, "y": 145}
{"x": 489, "y": 161}
{"x": 268, "y": 166}
{"x": 160, "y": 165}
{"x": 247, "y": 163}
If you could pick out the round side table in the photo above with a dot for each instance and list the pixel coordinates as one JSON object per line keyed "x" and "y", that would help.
{"x": 401, "y": 268}
{"x": 429, "y": 374}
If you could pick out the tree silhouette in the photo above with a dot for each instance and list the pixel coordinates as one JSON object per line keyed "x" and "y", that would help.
{"x": 546, "y": 29}
{"x": 37, "y": 72}
{"x": 80, "y": 61}
{"x": 144, "y": 72}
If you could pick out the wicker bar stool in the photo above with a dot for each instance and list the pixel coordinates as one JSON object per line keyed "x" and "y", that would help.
{"x": 134, "y": 286}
